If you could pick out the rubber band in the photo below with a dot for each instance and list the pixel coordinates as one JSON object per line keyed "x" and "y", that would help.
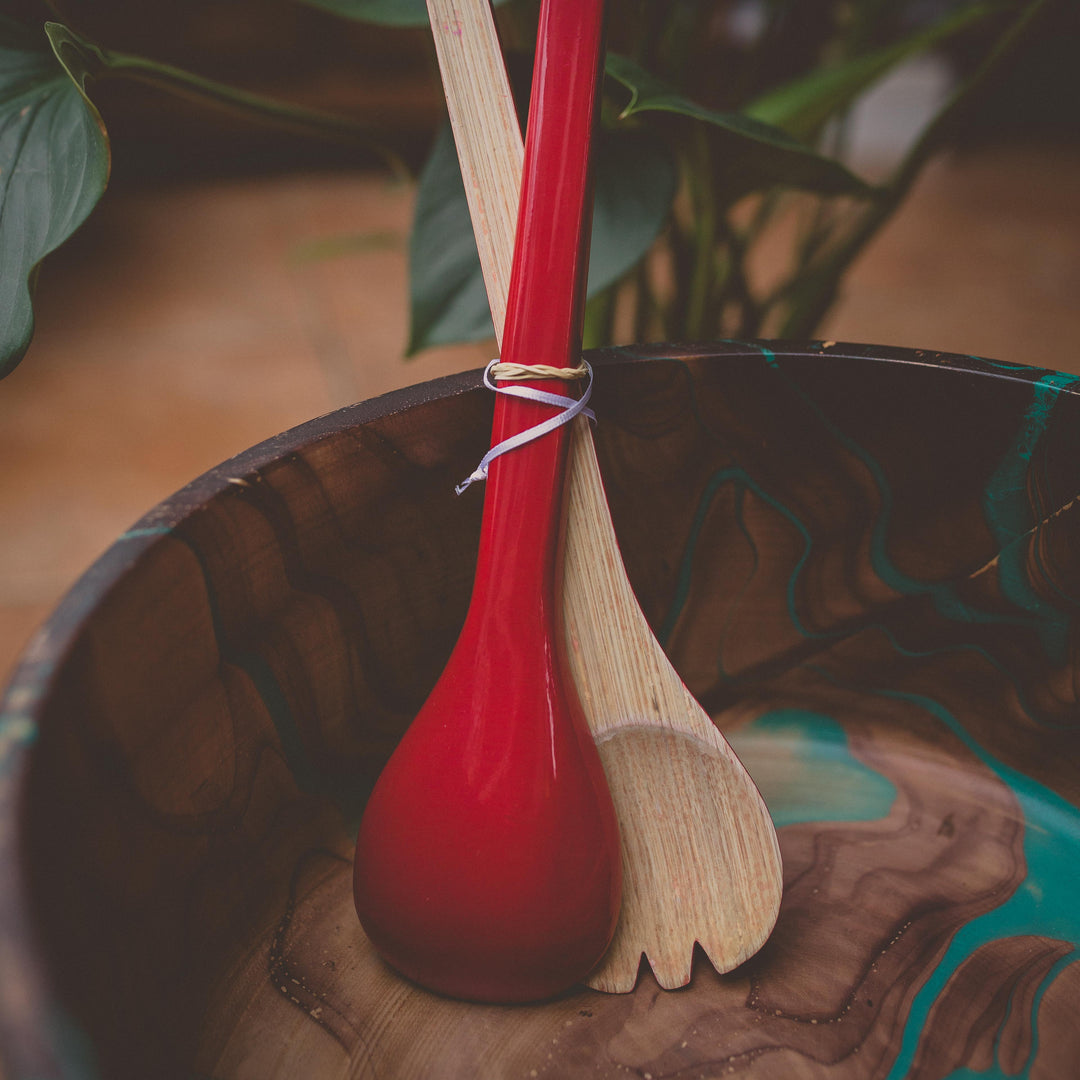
{"x": 571, "y": 407}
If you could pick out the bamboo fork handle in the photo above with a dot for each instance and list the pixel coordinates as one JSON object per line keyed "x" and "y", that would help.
{"x": 469, "y": 53}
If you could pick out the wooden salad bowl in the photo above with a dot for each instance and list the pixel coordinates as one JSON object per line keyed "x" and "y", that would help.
{"x": 864, "y": 562}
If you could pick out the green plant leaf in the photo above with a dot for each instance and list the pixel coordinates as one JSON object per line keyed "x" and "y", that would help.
{"x": 635, "y": 186}
{"x": 446, "y": 288}
{"x": 756, "y": 155}
{"x": 803, "y": 106}
{"x": 54, "y": 167}
{"x": 385, "y": 12}
{"x": 636, "y": 180}
{"x": 98, "y": 63}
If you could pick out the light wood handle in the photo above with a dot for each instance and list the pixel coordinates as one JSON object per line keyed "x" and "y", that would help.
{"x": 486, "y": 130}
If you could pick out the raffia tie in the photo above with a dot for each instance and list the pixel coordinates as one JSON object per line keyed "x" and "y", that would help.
{"x": 570, "y": 407}
{"x": 499, "y": 370}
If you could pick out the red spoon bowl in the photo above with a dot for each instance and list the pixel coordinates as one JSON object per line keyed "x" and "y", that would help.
{"x": 487, "y": 864}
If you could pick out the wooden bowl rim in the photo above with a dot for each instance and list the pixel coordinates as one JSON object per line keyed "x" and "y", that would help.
{"x": 29, "y": 682}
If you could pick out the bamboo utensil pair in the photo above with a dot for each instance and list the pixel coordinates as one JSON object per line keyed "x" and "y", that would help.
{"x": 700, "y": 856}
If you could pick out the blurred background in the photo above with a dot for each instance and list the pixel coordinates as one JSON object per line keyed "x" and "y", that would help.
{"x": 236, "y": 280}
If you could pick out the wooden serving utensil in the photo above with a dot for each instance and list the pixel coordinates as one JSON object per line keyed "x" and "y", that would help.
{"x": 487, "y": 861}
{"x": 701, "y": 861}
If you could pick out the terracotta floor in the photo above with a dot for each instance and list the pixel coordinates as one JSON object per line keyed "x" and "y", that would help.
{"x": 180, "y": 327}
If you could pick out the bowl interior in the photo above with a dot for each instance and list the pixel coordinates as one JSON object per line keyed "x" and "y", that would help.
{"x": 864, "y": 563}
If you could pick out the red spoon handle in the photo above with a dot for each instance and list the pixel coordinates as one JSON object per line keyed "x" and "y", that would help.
{"x": 546, "y": 298}
{"x": 546, "y": 294}
{"x": 488, "y": 862}
{"x": 519, "y": 537}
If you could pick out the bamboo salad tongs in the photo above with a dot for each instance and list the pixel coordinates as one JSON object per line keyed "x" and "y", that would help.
{"x": 701, "y": 863}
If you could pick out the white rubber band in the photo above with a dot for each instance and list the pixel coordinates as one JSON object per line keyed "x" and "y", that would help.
{"x": 571, "y": 407}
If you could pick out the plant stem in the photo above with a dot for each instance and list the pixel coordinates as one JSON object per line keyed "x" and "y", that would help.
{"x": 598, "y": 326}
{"x": 648, "y": 312}
{"x": 734, "y": 285}
{"x": 106, "y": 64}
{"x": 704, "y": 209}
{"x": 679, "y": 245}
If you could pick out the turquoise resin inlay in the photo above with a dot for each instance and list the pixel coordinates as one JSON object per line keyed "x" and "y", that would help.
{"x": 1008, "y": 510}
{"x": 817, "y": 778}
{"x": 803, "y": 765}
{"x": 804, "y": 768}
{"x": 1045, "y": 904}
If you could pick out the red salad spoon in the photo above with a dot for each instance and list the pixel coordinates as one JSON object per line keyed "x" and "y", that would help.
{"x": 488, "y": 864}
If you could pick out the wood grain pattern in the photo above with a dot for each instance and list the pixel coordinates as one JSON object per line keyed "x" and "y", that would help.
{"x": 701, "y": 862}
{"x": 891, "y": 648}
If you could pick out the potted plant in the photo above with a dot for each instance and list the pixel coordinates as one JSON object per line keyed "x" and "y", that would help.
{"x": 720, "y": 120}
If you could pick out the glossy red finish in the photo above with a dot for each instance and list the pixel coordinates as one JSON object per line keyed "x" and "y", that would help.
{"x": 547, "y": 293}
{"x": 487, "y": 862}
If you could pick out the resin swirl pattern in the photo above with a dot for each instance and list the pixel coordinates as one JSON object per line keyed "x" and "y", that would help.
{"x": 865, "y": 563}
